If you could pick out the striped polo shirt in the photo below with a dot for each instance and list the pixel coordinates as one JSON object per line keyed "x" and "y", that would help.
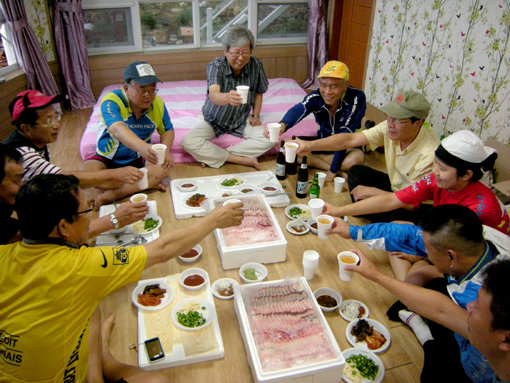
{"x": 35, "y": 160}
{"x": 228, "y": 118}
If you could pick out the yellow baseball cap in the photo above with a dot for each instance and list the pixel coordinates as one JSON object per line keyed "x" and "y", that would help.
{"x": 335, "y": 69}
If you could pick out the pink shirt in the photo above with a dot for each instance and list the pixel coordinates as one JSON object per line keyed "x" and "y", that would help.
{"x": 476, "y": 196}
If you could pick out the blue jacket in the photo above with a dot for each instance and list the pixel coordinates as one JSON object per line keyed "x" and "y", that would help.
{"x": 408, "y": 238}
{"x": 347, "y": 118}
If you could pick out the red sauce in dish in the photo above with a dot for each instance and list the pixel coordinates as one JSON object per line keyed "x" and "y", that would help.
{"x": 187, "y": 186}
{"x": 269, "y": 188}
{"x": 190, "y": 254}
{"x": 314, "y": 225}
{"x": 194, "y": 280}
{"x": 246, "y": 190}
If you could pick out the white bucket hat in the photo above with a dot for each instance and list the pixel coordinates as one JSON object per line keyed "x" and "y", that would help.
{"x": 464, "y": 148}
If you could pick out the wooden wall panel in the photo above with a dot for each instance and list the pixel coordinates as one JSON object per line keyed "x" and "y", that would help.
{"x": 282, "y": 61}
{"x": 353, "y": 37}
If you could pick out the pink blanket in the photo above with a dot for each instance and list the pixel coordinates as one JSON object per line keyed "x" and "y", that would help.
{"x": 184, "y": 100}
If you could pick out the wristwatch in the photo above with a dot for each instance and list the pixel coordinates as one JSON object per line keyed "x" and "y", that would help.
{"x": 114, "y": 221}
{"x": 256, "y": 116}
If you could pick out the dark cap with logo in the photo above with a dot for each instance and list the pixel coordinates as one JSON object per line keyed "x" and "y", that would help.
{"x": 408, "y": 104}
{"x": 141, "y": 72}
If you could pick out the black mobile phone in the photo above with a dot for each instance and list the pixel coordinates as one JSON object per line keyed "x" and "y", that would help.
{"x": 154, "y": 349}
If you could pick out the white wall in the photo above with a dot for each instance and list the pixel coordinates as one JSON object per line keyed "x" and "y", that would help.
{"x": 455, "y": 52}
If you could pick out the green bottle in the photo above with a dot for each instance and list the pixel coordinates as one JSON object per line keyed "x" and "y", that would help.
{"x": 315, "y": 189}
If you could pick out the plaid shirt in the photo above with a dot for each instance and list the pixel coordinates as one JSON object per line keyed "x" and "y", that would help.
{"x": 228, "y": 118}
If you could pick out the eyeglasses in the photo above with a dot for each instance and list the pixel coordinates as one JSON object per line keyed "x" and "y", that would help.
{"x": 237, "y": 54}
{"x": 50, "y": 121}
{"x": 85, "y": 211}
{"x": 147, "y": 92}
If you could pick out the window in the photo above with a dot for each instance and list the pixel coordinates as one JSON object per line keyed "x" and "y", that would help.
{"x": 144, "y": 25}
{"x": 7, "y": 57}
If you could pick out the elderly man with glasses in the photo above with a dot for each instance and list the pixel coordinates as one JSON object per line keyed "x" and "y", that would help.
{"x": 37, "y": 124}
{"x": 224, "y": 110}
{"x": 51, "y": 284}
{"x": 409, "y": 146}
{"x": 129, "y": 117}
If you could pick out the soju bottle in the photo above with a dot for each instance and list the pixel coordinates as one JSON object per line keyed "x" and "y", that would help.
{"x": 315, "y": 189}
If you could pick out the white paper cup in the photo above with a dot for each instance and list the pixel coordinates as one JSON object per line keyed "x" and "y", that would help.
{"x": 144, "y": 182}
{"x": 324, "y": 223}
{"x": 140, "y": 197}
{"x": 322, "y": 178}
{"x": 290, "y": 151}
{"x": 346, "y": 258}
{"x": 339, "y": 184}
{"x": 232, "y": 200}
{"x": 274, "y": 131}
{"x": 310, "y": 263}
{"x": 243, "y": 91}
{"x": 316, "y": 205}
{"x": 160, "y": 150}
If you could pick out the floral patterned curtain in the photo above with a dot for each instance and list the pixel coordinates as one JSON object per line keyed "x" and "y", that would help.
{"x": 28, "y": 52}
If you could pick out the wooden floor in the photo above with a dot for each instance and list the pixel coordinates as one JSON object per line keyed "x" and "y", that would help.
{"x": 404, "y": 358}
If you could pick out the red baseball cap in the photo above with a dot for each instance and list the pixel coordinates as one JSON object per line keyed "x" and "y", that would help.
{"x": 33, "y": 99}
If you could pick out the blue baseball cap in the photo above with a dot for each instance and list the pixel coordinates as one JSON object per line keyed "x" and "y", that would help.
{"x": 140, "y": 72}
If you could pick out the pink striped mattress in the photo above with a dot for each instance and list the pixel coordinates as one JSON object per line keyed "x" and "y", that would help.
{"x": 184, "y": 100}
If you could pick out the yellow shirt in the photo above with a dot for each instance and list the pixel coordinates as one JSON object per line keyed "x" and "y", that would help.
{"x": 48, "y": 293}
{"x": 407, "y": 166}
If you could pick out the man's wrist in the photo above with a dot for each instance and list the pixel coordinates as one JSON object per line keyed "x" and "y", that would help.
{"x": 114, "y": 220}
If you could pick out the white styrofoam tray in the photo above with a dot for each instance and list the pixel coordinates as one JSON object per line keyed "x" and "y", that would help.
{"x": 112, "y": 237}
{"x": 177, "y": 357}
{"x": 327, "y": 371}
{"x": 265, "y": 252}
{"x": 210, "y": 186}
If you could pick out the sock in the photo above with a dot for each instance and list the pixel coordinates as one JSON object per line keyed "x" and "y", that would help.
{"x": 392, "y": 312}
{"x": 417, "y": 324}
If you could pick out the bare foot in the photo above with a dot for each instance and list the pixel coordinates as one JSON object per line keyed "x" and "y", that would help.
{"x": 253, "y": 162}
{"x": 106, "y": 331}
{"x": 247, "y": 161}
{"x": 103, "y": 198}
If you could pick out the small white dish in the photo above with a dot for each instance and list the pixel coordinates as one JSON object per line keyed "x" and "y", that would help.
{"x": 223, "y": 284}
{"x": 350, "y": 307}
{"x": 370, "y": 355}
{"x": 297, "y": 227}
{"x": 260, "y": 272}
{"x": 193, "y": 271}
{"x": 312, "y": 222}
{"x": 186, "y": 185}
{"x": 303, "y": 213}
{"x": 228, "y": 193}
{"x": 232, "y": 181}
{"x": 270, "y": 188}
{"x": 187, "y": 198}
{"x": 329, "y": 292}
{"x": 187, "y": 258}
{"x": 248, "y": 189}
{"x": 138, "y": 227}
{"x": 202, "y": 306}
{"x": 165, "y": 301}
{"x": 363, "y": 345}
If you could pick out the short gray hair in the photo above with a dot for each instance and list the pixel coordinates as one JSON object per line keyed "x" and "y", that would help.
{"x": 237, "y": 36}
